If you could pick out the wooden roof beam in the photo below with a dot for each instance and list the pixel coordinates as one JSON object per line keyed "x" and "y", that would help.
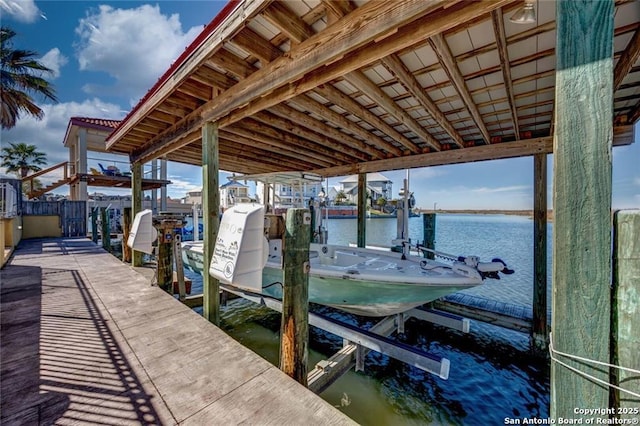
{"x": 338, "y": 98}
{"x": 634, "y": 114}
{"x": 289, "y": 23}
{"x": 232, "y": 64}
{"x": 328, "y": 114}
{"x": 626, "y": 60}
{"x": 234, "y": 109}
{"x": 278, "y": 139}
{"x": 248, "y": 150}
{"x": 318, "y": 142}
{"x": 440, "y": 47}
{"x": 211, "y": 77}
{"x": 250, "y": 41}
{"x": 362, "y": 83}
{"x": 293, "y": 74}
{"x": 336, "y": 9}
{"x": 498, "y": 28}
{"x": 286, "y": 78}
{"x": 196, "y": 90}
{"x": 622, "y": 135}
{"x": 357, "y": 147}
{"x": 395, "y": 65}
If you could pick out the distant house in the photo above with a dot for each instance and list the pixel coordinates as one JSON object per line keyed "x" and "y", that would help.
{"x": 232, "y": 193}
{"x": 378, "y": 186}
{"x": 194, "y": 197}
{"x": 286, "y": 195}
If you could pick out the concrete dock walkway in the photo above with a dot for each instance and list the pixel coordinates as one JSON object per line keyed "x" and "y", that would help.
{"x": 86, "y": 340}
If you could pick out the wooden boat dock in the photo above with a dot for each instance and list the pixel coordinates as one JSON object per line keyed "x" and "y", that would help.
{"x": 87, "y": 339}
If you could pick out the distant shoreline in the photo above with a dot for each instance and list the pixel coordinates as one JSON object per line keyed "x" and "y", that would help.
{"x": 528, "y": 213}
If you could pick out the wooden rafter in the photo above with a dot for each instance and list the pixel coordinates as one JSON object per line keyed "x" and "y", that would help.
{"x": 440, "y": 47}
{"x": 634, "y": 114}
{"x": 395, "y": 65}
{"x": 316, "y": 107}
{"x": 345, "y": 102}
{"x": 309, "y": 122}
{"x": 360, "y": 81}
{"x": 278, "y": 139}
{"x": 310, "y": 139}
{"x": 373, "y": 20}
{"x": 336, "y": 9}
{"x": 622, "y": 135}
{"x": 295, "y": 28}
{"x": 498, "y": 29}
{"x": 626, "y": 60}
{"x": 251, "y": 42}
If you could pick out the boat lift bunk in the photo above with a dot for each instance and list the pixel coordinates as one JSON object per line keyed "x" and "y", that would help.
{"x": 358, "y": 341}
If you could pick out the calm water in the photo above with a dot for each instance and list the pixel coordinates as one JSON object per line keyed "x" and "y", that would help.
{"x": 492, "y": 376}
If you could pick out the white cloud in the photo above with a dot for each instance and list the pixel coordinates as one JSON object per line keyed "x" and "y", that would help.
{"x": 48, "y": 134}
{"x": 54, "y": 60}
{"x": 636, "y": 181}
{"x": 22, "y": 11}
{"x": 133, "y": 46}
{"x": 486, "y": 190}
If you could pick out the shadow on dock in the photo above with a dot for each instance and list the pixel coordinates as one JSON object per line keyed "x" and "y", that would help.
{"x": 60, "y": 363}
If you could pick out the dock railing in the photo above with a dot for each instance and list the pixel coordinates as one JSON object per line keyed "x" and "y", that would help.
{"x": 8, "y": 200}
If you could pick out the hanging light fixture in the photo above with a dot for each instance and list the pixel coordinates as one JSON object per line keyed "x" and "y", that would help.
{"x": 525, "y": 15}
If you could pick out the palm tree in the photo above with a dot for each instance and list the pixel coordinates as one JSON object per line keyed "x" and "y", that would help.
{"x": 22, "y": 158}
{"x": 20, "y": 76}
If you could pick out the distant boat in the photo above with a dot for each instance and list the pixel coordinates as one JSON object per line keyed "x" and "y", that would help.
{"x": 362, "y": 281}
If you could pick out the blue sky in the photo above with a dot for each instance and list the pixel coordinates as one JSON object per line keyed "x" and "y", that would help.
{"x": 106, "y": 55}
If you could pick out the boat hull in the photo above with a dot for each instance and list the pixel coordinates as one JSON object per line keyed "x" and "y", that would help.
{"x": 367, "y": 298}
{"x": 378, "y": 293}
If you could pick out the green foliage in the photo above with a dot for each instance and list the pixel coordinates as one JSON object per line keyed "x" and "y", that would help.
{"x": 21, "y": 159}
{"x": 340, "y": 197}
{"x": 26, "y": 186}
{"x": 20, "y": 76}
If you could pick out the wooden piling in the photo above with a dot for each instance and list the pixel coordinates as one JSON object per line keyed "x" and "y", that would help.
{"x": 177, "y": 255}
{"x": 539, "y": 339}
{"x": 94, "y": 225}
{"x": 165, "y": 263}
{"x": 105, "y": 231}
{"x": 582, "y": 204}
{"x": 126, "y": 250}
{"x": 625, "y": 312}
{"x": 429, "y": 233}
{"x": 210, "y": 218}
{"x": 294, "y": 329}
{"x": 362, "y": 209}
{"x": 136, "y": 204}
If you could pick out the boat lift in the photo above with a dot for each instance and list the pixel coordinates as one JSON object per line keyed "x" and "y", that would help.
{"x": 358, "y": 342}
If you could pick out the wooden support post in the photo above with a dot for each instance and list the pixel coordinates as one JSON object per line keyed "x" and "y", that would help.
{"x": 165, "y": 262}
{"x": 362, "y": 209}
{"x": 94, "y": 225}
{"x": 429, "y": 233}
{"x": 582, "y": 204}
{"x": 136, "y": 204}
{"x": 294, "y": 330}
{"x": 210, "y": 218}
{"x": 177, "y": 255}
{"x": 539, "y": 339}
{"x": 105, "y": 231}
{"x": 625, "y": 312}
{"x": 126, "y": 250}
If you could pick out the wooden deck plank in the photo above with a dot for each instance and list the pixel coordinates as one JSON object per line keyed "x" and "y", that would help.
{"x": 86, "y": 339}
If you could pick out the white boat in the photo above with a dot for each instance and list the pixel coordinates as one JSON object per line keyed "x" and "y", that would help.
{"x": 362, "y": 281}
